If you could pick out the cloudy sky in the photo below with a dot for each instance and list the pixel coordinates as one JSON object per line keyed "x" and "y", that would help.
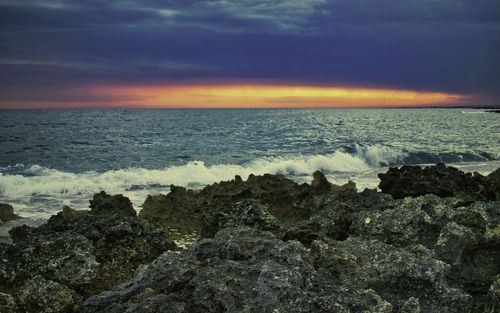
{"x": 96, "y": 53}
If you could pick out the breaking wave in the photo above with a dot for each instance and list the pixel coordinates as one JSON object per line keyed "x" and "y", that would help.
{"x": 41, "y": 191}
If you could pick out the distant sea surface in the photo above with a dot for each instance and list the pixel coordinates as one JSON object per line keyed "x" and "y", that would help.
{"x": 52, "y": 158}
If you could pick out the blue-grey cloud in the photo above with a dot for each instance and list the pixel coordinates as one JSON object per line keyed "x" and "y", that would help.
{"x": 451, "y": 45}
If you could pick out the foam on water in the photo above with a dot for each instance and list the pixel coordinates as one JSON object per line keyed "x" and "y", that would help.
{"x": 37, "y": 187}
{"x": 39, "y": 192}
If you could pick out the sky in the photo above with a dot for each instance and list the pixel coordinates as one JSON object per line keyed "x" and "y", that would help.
{"x": 249, "y": 53}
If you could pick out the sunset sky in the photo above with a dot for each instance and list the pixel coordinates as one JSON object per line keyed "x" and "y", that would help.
{"x": 249, "y": 53}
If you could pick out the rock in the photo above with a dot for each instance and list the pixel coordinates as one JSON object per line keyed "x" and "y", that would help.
{"x": 320, "y": 183}
{"x": 395, "y": 274}
{"x": 412, "y": 305}
{"x": 239, "y": 270}
{"x": 181, "y": 209}
{"x": 41, "y": 295}
{"x": 249, "y": 212}
{"x": 285, "y": 200}
{"x": 84, "y": 252}
{"x": 102, "y": 203}
{"x": 494, "y": 179}
{"x": 7, "y": 213}
{"x": 493, "y": 304}
{"x": 7, "y": 303}
{"x": 270, "y": 245}
{"x": 245, "y": 270}
{"x": 335, "y": 214}
{"x": 440, "y": 180}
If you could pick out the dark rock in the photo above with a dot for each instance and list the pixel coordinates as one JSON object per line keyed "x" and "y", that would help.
{"x": 41, "y": 295}
{"x": 102, "y": 203}
{"x": 286, "y": 200}
{"x": 79, "y": 251}
{"x": 249, "y": 212}
{"x": 440, "y": 180}
{"x": 7, "y": 303}
{"x": 335, "y": 214}
{"x": 180, "y": 209}
{"x": 270, "y": 245}
{"x": 494, "y": 296}
{"x": 247, "y": 270}
{"x": 320, "y": 182}
{"x": 7, "y": 213}
{"x": 239, "y": 270}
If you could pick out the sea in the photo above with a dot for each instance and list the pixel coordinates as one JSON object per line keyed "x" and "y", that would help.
{"x": 53, "y": 158}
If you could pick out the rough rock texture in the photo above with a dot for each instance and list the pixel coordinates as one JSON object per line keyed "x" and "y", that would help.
{"x": 76, "y": 254}
{"x": 268, "y": 245}
{"x": 247, "y": 212}
{"x": 352, "y": 252}
{"x": 239, "y": 270}
{"x": 7, "y": 213}
{"x": 439, "y": 180}
{"x": 102, "y": 203}
{"x": 285, "y": 199}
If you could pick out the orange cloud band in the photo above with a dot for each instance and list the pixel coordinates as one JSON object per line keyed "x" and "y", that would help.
{"x": 232, "y": 96}
{"x": 258, "y": 96}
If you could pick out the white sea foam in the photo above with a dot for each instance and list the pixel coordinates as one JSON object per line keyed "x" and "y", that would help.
{"x": 40, "y": 192}
{"x": 38, "y": 186}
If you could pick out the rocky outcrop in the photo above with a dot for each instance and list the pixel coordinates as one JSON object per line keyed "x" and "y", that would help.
{"x": 294, "y": 248}
{"x": 54, "y": 267}
{"x": 354, "y": 252}
{"x": 7, "y": 213}
{"x": 240, "y": 270}
{"x": 439, "y": 180}
{"x": 285, "y": 200}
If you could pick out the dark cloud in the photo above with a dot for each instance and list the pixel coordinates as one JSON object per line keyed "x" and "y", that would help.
{"x": 449, "y": 45}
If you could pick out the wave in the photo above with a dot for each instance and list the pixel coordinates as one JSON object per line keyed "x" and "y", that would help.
{"x": 38, "y": 180}
{"x": 49, "y": 189}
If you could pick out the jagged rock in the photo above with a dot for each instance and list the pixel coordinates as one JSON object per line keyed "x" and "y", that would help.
{"x": 285, "y": 199}
{"x": 102, "y": 203}
{"x": 239, "y": 270}
{"x": 249, "y": 212}
{"x": 270, "y": 245}
{"x": 320, "y": 183}
{"x": 180, "y": 208}
{"x": 7, "y": 303}
{"x": 81, "y": 251}
{"x": 494, "y": 296}
{"x": 335, "y": 214}
{"x": 440, "y": 180}
{"x": 412, "y": 305}
{"x": 7, "y": 213}
{"x": 395, "y": 274}
{"x": 41, "y": 295}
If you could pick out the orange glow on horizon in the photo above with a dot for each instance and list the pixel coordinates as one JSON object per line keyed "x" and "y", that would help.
{"x": 266, "y": 96}
{"x": 242, "y": 96}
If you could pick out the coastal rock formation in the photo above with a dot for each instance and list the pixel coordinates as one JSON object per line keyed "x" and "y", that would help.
{"x": 285, "y": 199}
{"x": 7, "y": 213}
{"x": 354, "y": 252}
{"x": 439, "y": 180}
{"x": 54, "y": 267}
{"x": 334, "y": 250}
{"x": 240, "y": 270}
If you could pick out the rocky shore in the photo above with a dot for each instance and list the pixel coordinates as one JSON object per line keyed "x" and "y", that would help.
{"x": 428, "y": 242}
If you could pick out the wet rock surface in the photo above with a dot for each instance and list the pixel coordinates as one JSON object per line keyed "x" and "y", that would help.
{"x": 295, "y": 248}
{"x": 54, "y": 267}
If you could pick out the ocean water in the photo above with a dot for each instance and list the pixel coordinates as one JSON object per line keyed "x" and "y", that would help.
{"x": 52, "y": 158}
